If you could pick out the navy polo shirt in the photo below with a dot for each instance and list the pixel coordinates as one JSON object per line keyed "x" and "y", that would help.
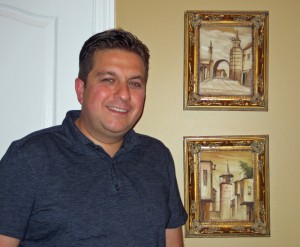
{"x": 57, "y": 188}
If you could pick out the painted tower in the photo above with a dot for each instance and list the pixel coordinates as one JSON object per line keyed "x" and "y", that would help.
{"x": 211, "y": 61}
{"x": 236, "y": 59}
{"x": 226, "y": 191}
{"x": 206, "y": 66}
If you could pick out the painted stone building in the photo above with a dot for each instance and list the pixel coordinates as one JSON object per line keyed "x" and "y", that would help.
{"x": 232, "y": 200}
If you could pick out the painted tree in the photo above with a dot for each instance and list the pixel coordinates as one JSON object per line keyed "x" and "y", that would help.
{"x": 247, "y": 169}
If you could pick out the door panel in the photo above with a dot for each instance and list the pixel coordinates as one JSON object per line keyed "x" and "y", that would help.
{"x": 39, "y": 48}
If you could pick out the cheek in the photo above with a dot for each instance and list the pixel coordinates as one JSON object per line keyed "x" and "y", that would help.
{"x": 95, "y": 97}
{"x": 139, "y": 100}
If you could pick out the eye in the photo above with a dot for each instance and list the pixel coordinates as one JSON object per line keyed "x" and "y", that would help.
{"x": 135, "y": 84}
{"x": 107, "y": 80}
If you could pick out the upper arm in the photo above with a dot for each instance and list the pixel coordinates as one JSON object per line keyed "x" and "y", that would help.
{"x": 174, "y": 237}
{"x": 17, "y": 195}
{"x": 6, "y": 241}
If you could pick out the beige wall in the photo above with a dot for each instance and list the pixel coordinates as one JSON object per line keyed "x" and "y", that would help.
{"x": 159, "y": 23}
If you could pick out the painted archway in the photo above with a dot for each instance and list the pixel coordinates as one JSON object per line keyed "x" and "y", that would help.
{"x": 216, "y": 65}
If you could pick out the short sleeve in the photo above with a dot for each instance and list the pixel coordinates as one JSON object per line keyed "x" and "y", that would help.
{"x": 178, "y": 214}
{"x": 17, "y": 192}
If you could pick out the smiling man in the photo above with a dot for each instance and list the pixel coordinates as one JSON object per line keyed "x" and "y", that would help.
{"x": 93, "y": 181}
{"x": 112, "y": 97}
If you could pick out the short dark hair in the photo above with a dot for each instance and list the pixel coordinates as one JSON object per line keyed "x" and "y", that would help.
{"x": 110, "y": 39}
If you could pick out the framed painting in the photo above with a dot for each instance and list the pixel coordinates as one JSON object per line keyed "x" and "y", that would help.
{"x": 227, "y": 186}
{"x": 226, "y": 60}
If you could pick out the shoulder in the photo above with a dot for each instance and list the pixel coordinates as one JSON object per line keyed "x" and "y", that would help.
{"x": 153, "y": 144}
{"x": 146, "y": 140}
{"x": 54, "y": 136}
{"x": 35, "y": 143}
{"x": 154, "y": 148}
{"x": 41, "y": 136}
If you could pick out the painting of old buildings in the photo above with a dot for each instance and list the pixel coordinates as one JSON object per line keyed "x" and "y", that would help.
{"x": 226, "y": 61}
{"x": 226, "y": 186}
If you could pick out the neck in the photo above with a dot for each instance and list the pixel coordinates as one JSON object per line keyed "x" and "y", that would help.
{"x": 110, "y": 145}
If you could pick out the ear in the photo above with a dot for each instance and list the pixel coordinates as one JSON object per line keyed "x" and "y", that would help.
{"x": 79, "y": 88}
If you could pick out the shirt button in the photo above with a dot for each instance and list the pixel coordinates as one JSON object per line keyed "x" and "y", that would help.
{"x": 117, "y": 187}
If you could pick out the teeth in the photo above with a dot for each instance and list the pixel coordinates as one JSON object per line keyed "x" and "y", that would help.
{"x": 117, "y": 109}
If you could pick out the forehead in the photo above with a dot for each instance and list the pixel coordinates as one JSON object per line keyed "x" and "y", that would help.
{"x": 114, "y": 60}
{"x": 110, "y": 54}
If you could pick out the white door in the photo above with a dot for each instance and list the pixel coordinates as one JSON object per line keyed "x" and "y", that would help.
{"x": 39, "y": 48}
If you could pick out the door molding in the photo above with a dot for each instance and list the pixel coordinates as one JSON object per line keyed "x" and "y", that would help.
{"x": 104, "y": 15}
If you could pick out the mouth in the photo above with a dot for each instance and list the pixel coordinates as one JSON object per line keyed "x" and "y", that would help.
{"x": 116, "y": 109}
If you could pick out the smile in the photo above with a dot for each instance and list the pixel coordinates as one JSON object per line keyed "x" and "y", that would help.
{"x": 117, "y": 109}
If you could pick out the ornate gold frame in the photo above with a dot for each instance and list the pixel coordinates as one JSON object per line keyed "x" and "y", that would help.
{"x": 206, "y": 207}
{"x": 256, "y": 99}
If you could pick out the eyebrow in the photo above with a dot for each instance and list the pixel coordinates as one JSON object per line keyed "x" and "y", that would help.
{"x": 106, "y": 73}
{"x": 140, "y": 77}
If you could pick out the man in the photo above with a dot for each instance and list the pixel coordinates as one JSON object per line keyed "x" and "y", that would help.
{"x": 93, "y": 181}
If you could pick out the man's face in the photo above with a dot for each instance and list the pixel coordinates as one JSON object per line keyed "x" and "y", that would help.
{"x": 113, "y": 96}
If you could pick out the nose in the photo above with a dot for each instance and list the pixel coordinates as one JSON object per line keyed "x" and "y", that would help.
{"x": 123, "y": 91}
